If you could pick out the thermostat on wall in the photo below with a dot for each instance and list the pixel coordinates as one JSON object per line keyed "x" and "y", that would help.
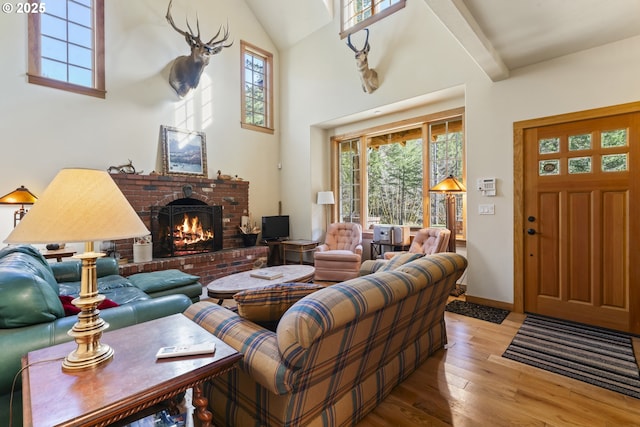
{"x": 487, "y": 186}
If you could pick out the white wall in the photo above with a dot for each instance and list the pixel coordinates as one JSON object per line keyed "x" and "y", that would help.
{"x": 44, "y": 130}
{"x": 414, "y": 56}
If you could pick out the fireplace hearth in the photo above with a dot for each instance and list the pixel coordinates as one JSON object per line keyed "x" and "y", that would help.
{"x": 186, "y": 227}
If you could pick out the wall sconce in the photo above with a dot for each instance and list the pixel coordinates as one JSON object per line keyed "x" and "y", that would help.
{"x": 20, "y": 196}
{"x": 450, "y": 186}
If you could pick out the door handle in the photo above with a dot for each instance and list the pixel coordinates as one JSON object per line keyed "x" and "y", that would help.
{"x": 531, "y": 231}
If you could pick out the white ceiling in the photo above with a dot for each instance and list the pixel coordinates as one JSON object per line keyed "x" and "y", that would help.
{"x": 500, "y": 35}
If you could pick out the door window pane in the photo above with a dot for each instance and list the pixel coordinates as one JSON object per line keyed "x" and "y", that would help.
{"x": 580, "y": 142}
{"x": 614, "y": 163}
{"x": 580, "y": 165}
{"x": 549, "y": 145}
{"x": 614, "y": 138}
{"x": 549, "y": 167}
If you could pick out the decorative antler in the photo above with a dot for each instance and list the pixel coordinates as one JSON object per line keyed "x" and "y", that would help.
{"x": 368, "y": 76}
{"x": 366, "y": 47}
{"x": 186, "y": 70}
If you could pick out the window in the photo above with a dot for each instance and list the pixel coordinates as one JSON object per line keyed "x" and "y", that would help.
{"x": 446, "y": 153}
{"x": 257, "y": 94}
{"x": 390, "y": 183}
{"x": 358, "y": 14}
{"x": 349, "y": 154}
{"x": 66, "y": 46}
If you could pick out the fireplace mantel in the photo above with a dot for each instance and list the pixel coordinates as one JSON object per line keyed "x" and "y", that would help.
{"x": 145, "y": 191}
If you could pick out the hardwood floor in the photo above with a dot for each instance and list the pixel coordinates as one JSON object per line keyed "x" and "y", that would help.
{"x": 470, "y": 384}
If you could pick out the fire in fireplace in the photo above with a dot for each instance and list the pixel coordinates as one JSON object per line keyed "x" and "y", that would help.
{"x": 185, "y": 227}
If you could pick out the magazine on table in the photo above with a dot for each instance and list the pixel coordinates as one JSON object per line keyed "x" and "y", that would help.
{"x": 266, "y": 274}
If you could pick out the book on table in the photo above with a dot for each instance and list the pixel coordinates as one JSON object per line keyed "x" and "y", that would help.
{"x": 265, "y": 274}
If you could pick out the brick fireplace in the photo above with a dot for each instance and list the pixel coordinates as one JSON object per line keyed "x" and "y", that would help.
{"x": 148, "y": 193}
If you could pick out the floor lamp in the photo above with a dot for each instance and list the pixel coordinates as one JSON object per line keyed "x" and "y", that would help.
{"x": 450, "y": 186}
{"x": 82, "y": 205}
{"x": 326, "y": 198}
{"x": 20, "y": 196}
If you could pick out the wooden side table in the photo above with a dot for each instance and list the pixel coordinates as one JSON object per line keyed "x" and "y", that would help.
{"x": 131, "y": 383}
{"x": 58, "y": 254}
{"x": 297, "y": 246}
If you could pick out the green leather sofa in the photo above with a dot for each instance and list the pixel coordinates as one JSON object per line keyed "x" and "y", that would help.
{"x": 32, "y": 314}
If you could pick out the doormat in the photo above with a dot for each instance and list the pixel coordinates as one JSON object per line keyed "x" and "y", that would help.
{"x": 477, "y": 311}
{"x": 593, "y": 355}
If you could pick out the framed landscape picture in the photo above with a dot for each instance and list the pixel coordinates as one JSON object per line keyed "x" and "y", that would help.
{"x": 184, "y": 152}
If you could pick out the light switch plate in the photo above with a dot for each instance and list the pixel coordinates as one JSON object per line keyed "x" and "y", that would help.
{"x": 487, "y": 209}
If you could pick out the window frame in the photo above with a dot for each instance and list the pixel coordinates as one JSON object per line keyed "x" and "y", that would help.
{"x": 34, "y": 74}
{"x": 363, "y": 135}
{"x": 375, "y": 16}
{"x": 253, "y": 50}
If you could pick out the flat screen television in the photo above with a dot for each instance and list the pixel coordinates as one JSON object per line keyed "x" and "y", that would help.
{"x": 275, "y": 227}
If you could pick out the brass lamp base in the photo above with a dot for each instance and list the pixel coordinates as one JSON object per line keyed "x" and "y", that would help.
{"x": 87, "y": 331}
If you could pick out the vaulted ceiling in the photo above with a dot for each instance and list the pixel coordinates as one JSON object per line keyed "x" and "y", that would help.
{"x": 500, "y": 35}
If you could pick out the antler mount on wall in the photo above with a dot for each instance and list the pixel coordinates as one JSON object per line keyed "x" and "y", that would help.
{"x": 368, "y": 76}
{"x": 186, "y": 70}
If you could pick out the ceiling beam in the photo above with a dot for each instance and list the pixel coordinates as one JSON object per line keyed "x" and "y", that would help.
{"x": 457, "y": 18}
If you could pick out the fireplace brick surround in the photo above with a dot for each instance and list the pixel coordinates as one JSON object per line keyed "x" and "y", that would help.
{"x": 145, "y": 191}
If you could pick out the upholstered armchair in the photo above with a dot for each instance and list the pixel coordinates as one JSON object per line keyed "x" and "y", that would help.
{"x": 427, "y": 241}
{"x": 339, "y": 257}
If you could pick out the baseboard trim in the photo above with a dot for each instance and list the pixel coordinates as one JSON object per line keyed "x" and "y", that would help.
{"x": 490, "y": 303}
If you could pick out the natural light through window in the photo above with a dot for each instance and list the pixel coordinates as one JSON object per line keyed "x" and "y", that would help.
{"x": 66, "y": 46}
{"x": 357, "y": 14}
{"x": 207, "y": 101}
{"x": 257, "y": 96}
{"x": 185, "y": 112}
{"x": 390, "y": 183}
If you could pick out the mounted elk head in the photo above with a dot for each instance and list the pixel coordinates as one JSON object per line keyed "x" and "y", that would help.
{"x": 186, "y": 70}
{"x": 368, "y": 76}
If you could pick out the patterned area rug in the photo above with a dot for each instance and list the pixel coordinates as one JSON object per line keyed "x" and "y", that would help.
{"x": 477, "y": 311}
{"x": 586, "y": 353}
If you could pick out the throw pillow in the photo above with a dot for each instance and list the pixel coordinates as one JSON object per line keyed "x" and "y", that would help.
{"x": 268, "y": 303}
{"x": 70, "y": 309}
{"x": 399, "y": 260}
{"x": 156, "y": 281}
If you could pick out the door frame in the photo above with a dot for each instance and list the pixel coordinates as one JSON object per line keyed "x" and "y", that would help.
{"x": 518, "y": 182}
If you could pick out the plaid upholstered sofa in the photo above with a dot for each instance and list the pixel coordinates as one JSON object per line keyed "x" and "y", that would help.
{"x": 337, "y": 352}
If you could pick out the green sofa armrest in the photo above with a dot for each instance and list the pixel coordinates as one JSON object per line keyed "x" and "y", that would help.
{"x": 261, "y": 357}
{"x": 17, "y": 342}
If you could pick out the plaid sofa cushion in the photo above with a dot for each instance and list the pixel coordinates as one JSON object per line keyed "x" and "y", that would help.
{"x": 336, "y": 353}
{"x": 268, "y": 303}
{"x": 398, "y": 260}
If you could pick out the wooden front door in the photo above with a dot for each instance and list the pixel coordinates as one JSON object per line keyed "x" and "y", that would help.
{"x": 581, "y": 220}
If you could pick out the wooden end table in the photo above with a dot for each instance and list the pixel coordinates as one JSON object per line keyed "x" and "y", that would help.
{"x": 300, "y": 247}
{"x": 226, "y": 287}
{"x": 58, "y": 254}
{"x": 129, "y": 384}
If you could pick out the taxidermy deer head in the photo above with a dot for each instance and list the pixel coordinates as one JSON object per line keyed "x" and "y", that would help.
{"x": 186, "y": 70}
{"x": 368, "y": 76}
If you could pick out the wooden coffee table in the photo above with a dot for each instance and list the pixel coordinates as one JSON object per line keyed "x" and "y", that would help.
{"x": 226, "y": 287}
{"x": 132, "y": 383}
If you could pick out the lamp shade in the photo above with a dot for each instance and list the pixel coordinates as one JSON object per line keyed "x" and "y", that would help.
{"x": 325, "y": 198}
{"x": 449, "y": 185}
{"x": 79, "y": 205}
{"x": 19, "y": 196}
